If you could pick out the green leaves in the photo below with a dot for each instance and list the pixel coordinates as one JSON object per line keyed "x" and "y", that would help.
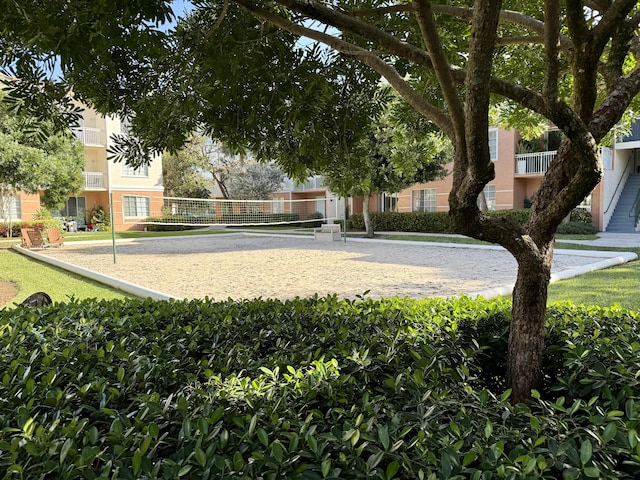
{"x": 319, "y": 387}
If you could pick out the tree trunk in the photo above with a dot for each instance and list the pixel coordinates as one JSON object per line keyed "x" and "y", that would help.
{"x": 368, "y": 226}
{"x": 482, "y": 202}
{"x": 526, "y": 335}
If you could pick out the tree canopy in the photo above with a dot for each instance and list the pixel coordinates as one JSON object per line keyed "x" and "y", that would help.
{"x": 237, "y": 69}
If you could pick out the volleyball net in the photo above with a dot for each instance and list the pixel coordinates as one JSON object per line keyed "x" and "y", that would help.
{"x": 194, "y": 212}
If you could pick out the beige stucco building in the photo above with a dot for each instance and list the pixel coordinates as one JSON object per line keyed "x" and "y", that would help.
{"x": 133, "y": 194}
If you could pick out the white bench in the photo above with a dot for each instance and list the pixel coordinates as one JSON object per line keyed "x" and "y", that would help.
{"x": 327, "y": 233}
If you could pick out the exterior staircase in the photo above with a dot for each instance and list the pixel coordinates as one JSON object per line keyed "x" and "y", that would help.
{"x": 620, "y": 221}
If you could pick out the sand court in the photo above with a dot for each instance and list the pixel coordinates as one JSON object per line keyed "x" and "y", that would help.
{"x": 278, "y": 266}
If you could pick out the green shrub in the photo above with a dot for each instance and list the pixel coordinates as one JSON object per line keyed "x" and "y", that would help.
{"x": 576, "y": 228}
{"x": 425, "y": 222}
{"x": 428, "y": 222}
{"x": 310, "y": 389}
{"x": 17, "y": 226}
{"x": 581, "y": 215}
{"x": 519, "y": 216}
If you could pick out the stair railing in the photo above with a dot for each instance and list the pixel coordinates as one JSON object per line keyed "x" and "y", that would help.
{"x": 618, "y": 186}
{"x": 635, "y": 209}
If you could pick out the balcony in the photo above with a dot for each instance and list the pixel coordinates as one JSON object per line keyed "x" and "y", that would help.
{"x": 312, "y": 183}
{"x": 90, "y": 137}
{"x": 635, "y": 133}
{"x": 537, "y": 163}
{"x": 94, "y": 181}
{"x": 534, "y": 163}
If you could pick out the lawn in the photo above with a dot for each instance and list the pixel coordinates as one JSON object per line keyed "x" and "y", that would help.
{"x": 32, "y": 276}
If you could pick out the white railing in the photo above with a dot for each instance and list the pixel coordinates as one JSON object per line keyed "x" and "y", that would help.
{"x": 312, "y": 183}
{"x": 93, "y": 180}
{"x": 90, "y": 136}
{"x": 534, "y": 163}
{"x": 538, "y": 162}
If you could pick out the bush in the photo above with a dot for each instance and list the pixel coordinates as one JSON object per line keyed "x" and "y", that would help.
{"x": 314, "y": 388}
{"x": 519, "y": 216}
{"x": 577, "y": 228}
{"x": 428, "y": 222}
{"x": 425, "y": 222}
{"x": 17, "y": 226}
{"x": 581, "y": 215}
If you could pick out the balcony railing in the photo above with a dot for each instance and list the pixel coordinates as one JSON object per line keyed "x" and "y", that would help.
{"x": 538, "y": 163}
{"x": 313, "y": 183}
{"x": 93, "y": 180}
{"x": 534, "y": 163}
{"x": 90, "y": 136}
{"x": 635, "y": 133}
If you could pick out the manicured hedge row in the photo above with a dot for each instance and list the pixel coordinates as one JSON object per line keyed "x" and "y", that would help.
{"x": 431, "y": 222}
{"x": 311, "y": 389}
{"x": 17, "y": 226}
{"x": 438, "y": 222}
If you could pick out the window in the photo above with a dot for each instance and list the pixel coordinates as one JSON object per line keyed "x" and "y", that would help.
{"x": 128, "y": 171}
{"x": 277, "y": 206}
{"x": 607, "y": 158}
{"x": 74, "y": 207}
{"x": 493, "y": 144}
{"x": 11, "y": 208}
{"x": 424, "y": 200}
{"x": 388, "y": 202}
{"x": 136, "y": 206}
{"x": 490, "y": 196}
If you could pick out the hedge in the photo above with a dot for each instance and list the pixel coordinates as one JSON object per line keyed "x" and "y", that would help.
{"x": 438, "y": 222}
{"x": 17, "y": 226}
{"x": 311, "y": 389}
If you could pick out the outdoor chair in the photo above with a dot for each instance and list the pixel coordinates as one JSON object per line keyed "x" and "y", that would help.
{"x": 81, "y": 224}
{"x": 54, "y": 237}
{"x": 36, "y": 239}
{"x": 26, "y": 240}
{"x": 38, "y": 299}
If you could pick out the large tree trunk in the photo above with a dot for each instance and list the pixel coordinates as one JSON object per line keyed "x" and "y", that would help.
{"x": 368, "y": 226}
{"x": 526, "y": 335}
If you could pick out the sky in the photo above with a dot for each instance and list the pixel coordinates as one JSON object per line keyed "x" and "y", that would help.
{"x": 181, "y": 6}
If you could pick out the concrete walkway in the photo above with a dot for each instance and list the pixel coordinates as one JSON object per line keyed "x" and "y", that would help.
{"x": 620, "y": 240}
{"x": 606, "y": 239}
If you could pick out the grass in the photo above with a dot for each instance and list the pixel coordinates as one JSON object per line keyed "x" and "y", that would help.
{"x": 437, "y": 239}
{"x": 31, "y": 276}
{"x": 618, "y": 285}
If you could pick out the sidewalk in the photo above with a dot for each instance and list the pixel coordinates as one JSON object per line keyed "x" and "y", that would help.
{"x": 620, "y": 240}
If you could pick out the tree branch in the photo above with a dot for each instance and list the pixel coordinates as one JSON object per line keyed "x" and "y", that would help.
{"x": 521, "y": 40}
{"x": 477, "y": 85}
{"x": 465, "y": 13}
{"x": 441, "y": 67}
{"x": 609, "y": 23}
{"x": 527, "y": 97}
{"x": 387, "y": 71}
{"x": 551, "y": 42}
{"x": 614, "y": 105}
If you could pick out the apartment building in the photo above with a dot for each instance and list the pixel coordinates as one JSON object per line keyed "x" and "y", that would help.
{"x": 519, "y": 168}
{"x": 133, "y": 194}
